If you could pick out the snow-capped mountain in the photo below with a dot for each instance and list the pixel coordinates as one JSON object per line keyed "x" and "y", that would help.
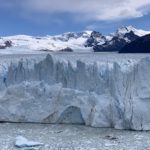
{"x": 116, "y": 41}
{"x": 94, "y": 39}
{"x": 86, "y": 41}
{"x": 123, "y": 30}
{"x": 25, "y": 44}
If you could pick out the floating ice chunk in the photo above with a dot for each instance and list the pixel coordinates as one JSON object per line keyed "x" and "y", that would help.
{"x": 22, "y": 142}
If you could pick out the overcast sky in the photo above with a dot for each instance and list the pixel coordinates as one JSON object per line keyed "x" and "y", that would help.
{"x": 43, "y": 17}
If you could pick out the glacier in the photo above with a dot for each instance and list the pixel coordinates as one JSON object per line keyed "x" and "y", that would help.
{"x": 102, "y": 90}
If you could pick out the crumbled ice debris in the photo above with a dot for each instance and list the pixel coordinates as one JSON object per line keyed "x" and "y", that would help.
{"x": 30, "y": 148}
{"x": 22, "y": 142}
{"x": 109, "y": 137}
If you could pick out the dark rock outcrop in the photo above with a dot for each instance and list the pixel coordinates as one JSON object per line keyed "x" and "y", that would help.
{"x": 67, "y": 49}
{"x": 6, "y": 44}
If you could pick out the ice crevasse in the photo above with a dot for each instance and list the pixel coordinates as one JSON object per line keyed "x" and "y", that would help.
{"x": 94, "y": 94}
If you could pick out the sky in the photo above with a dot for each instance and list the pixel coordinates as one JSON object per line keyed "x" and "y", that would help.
{"x": 51, "y": 17}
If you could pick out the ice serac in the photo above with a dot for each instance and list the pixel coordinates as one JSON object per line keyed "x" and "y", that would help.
{"x": 97, "y": 94}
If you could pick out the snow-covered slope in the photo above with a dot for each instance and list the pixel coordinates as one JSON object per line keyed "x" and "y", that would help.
{"x": 110, "y": 90}
{"x": 25, "y": 44}
{"x": 87, "y": 41}
{"x": 123, "y": 30}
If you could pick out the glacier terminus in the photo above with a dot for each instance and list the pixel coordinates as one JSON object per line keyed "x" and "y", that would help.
{"x": 98, "y": 90}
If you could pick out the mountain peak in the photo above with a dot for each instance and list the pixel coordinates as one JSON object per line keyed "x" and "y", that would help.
{"x": 127, "y": 29}
{"x": 72, "y": 35}
{"x": 124, "y": 29}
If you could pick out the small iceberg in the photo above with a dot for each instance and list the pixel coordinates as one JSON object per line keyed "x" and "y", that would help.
{"x": 22, "y": 142}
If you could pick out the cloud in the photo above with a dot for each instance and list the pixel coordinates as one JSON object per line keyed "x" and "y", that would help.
{"x": 106, "y": 10}
{"x": 92, "y": 27}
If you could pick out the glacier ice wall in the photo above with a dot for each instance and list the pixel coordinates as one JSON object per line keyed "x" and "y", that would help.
{"x": 98, "y": 94}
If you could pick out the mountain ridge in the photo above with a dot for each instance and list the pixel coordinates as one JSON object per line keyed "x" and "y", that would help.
{"x": 86, "y": 41}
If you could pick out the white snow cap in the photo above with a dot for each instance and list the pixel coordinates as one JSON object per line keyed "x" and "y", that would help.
{"x": 127, "y": 29}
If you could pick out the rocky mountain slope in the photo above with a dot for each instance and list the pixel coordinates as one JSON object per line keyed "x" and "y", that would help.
{"x": 140, "y": 45}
